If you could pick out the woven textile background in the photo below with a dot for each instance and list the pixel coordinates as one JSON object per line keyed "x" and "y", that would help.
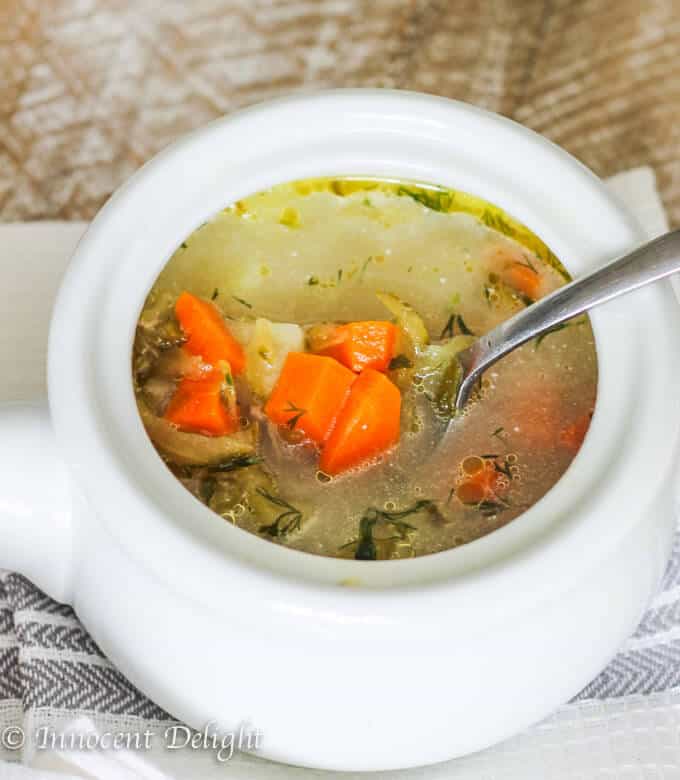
{"x": 90, "y": 89}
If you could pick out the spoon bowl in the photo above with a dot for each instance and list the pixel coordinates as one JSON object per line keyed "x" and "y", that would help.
{"x": 648, "y": 263}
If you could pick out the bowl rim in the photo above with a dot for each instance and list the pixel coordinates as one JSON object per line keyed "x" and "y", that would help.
{"x": 135, "y": 233}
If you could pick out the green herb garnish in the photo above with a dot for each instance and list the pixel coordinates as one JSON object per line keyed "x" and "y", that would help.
{"x": 289, "y": 520}
{"x": 312, "y": 281}
{"x": 242, "y": 302}
{"x": 447, "y": 330}
{"x": 184, "y": 245}
{"x": 297, "y": 414}
{"x": 502, "y": 468}
{"x": 215, "y": 294}
{"x": 497, "y": 221}
{"x": 434, "y": 199}
{"x": 539, "y": 339}
{"x": 490, "y": 508}
{"x": 455, "y": 321}
{"x": 207, "y": 489}
{"x": 364, "y": 267}
{"x": 400, "y": 361}
{"x": 241, "y": 462}
{"x": 525, "y": 299}
{"x": 366, "y": 549}
{"x": 529, "y": 264}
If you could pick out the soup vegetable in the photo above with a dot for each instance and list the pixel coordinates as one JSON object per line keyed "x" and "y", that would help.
{"x": 295, "y": 367}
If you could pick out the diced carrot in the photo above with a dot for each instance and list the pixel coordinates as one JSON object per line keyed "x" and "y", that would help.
{"x": 484, "y": 483}
{"x": 308, "y": 394}
{"x": 207, "y": 332}
{"x": 360, "y": 345}
{"x": 198, "y": 406}
{"x": 572, "y": 436}
{"x": 367, "y": 425}
{"x": 522, "y": 278}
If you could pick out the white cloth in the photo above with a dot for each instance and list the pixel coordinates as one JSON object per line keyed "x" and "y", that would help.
{"x": 632, "y": 736}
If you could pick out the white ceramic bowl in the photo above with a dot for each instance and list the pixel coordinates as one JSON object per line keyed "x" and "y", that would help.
{"x": 429, "y": 658}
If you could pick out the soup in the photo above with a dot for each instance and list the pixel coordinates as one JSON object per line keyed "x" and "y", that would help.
{"x": 295, "y": 367}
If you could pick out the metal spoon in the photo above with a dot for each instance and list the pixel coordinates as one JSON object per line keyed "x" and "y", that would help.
{"x": 649, "y": 263}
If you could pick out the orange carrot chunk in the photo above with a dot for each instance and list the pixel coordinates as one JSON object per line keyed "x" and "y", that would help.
{"x": 522, "y": 278}
{"x": 486, "y": 483}
{"x": 308, "y": 394}
{"x": 207, "y": 332}
{"x": 360, "y": 345}
{"x": 198, "y": 407}
{"x": 367, "y": 425}
{"x": 572, "y": 436}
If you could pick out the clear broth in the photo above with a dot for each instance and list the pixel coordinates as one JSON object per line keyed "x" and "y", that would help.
{"x": 318, "y": 251}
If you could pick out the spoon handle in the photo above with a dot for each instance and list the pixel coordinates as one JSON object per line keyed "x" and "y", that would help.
{"x": 649, "y": 263}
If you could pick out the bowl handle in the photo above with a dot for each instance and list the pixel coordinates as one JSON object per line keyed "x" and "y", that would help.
{"x": 36, "y": 535}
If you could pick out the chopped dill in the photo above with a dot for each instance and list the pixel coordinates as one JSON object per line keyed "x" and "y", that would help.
{"x": 288, "y": 521}
{"x": 529, "y": 264}
{"x": 447, "y": 330}
{"x": 242, "y": 302}
{"x": 297, "y": 414}
{"x": 364, "y": 267}
{"x": 455, "y": 321}
{"x": 313, "y": 281}
{"x": 366, "y": 549}
{"x": 496, "y": 221}
{"x": 434, "y": 199}
{"x": 207, "y": 489}
{"x": 400, "y": 361}
{"x": 183, "y": 245}
{"x": 502, "y": 468}
{"x": 241, "y": 462}
{"x": 215, "y": 294}
{"x": 539, "y": 339}
{"x": 489, "y": 508}
{"x": 463, "y": 327}
{"x": 500, "y": 434}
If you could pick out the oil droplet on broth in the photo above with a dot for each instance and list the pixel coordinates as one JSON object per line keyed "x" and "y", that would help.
{"x": 472, "y": 464}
